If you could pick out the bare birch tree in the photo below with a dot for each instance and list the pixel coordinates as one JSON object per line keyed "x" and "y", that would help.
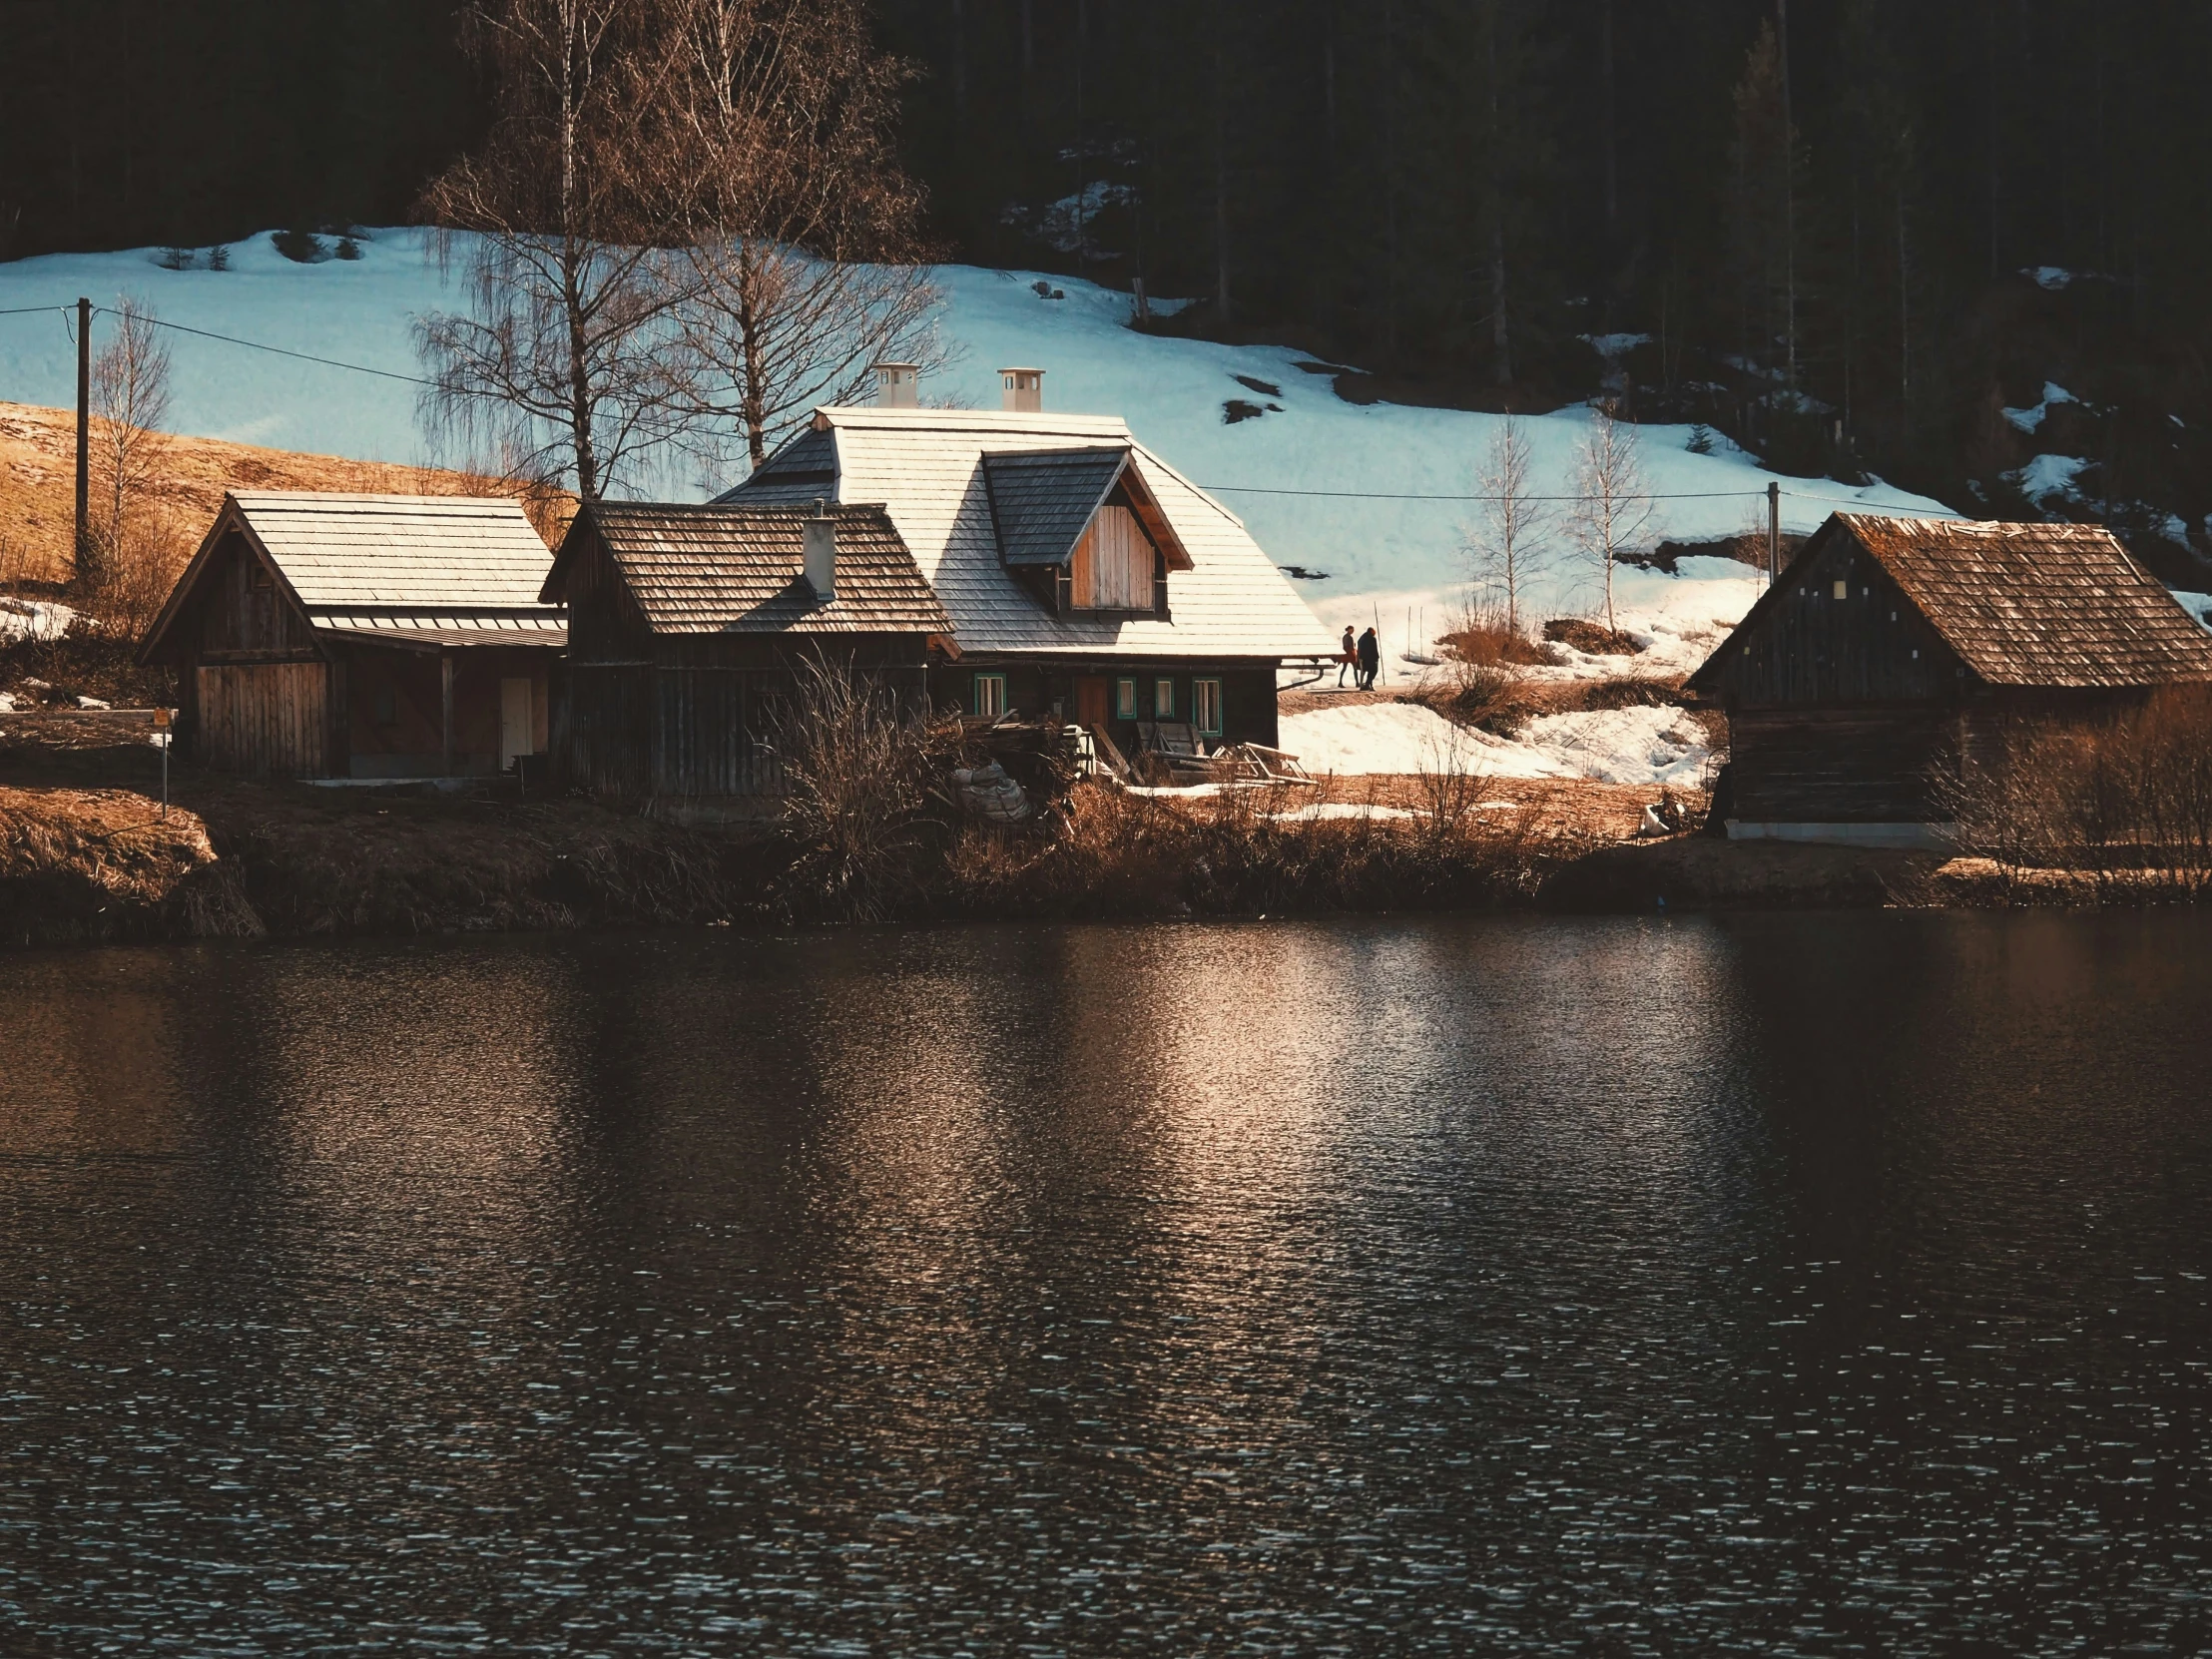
{"x": 804, "y": 233}
{"x": 1510, "y": 541}
{"x": 570, "y": 358}
{"x": 1612, "y": 507}
{"x": 130, "y": 403}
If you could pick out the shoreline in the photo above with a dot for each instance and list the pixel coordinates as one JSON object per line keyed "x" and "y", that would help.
{"x": 84, "y": 857}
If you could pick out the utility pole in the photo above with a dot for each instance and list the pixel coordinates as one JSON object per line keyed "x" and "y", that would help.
{"x": 1774, "y": 531}
{"x": 84, "y": 430}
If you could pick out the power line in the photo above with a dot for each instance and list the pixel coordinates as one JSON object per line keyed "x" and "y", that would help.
{"x": 1378, "y": 495}
{"x": 304, "y": 356}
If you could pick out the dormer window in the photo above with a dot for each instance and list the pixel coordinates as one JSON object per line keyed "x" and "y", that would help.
{"x": 1080, "y": 529}
{"x": 1114, "y": 565}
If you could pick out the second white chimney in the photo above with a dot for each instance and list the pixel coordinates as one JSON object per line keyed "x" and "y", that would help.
{"x": 895, "y": 385}
{"x": 1022, "y": 390}
{"x": 821, "y": 553}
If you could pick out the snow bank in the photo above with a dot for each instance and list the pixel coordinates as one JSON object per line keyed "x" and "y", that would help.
{"x": 1623, "y": 746}
{"x": 1610, "y": 745}
{"x": 1172, "y": 391}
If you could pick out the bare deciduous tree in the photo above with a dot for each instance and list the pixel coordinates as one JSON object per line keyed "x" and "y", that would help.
{"x": 1509, "y": 542}
{"x": 802, "y": 233}
{"x": 130, "y": 539}
{"x": 569, "y": 359}
{"x": 1613, "y": 504}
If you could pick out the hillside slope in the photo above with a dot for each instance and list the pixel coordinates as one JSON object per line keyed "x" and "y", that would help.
{"x": 38, "y": 457}
{"x": 1380, "y": 549}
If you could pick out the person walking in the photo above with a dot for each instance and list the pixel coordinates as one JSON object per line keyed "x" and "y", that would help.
{"x": 1371, "y": 659}
{"x": 1347, "y": 657}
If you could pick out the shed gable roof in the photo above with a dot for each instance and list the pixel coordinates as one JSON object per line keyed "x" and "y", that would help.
{"x": 2055, "y": 606}
{"x": 719, "y": 569}
{"x": 429, "y": 552}
{"x": 929, "y": 467}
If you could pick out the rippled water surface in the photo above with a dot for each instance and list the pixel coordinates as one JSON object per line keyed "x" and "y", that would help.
{"x": 1790, "y": 1285}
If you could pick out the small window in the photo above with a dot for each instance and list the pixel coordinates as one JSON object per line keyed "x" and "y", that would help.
{"x": 990, "y": 696}
{"x": 257, "y": 577}
{"x": 1163, "y": 700}
{"x": 1842, "y": 589}
{"x": 1125, "y": 699}
{"x": 1205, "y": 707}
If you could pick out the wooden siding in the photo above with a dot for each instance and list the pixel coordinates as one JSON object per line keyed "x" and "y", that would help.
{"x": 697, "y": 720}
{"x": 1872, "y": 645}
{"x": 1866, "y": 765}
{"x": 1115, "y": 564}
{"x": 265, "y": 717}
{"x": 244, "y": 614}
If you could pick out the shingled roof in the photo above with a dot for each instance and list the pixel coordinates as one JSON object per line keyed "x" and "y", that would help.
{"x": 2030, "y": 605}
{"x": 741, "y": 570}
{"x": 928, "y": 466}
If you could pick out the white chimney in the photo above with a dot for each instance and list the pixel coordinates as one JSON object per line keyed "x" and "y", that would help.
{"x": 895, "y": 385}
{"x": 1023, "y": 391}
{"x": 821, "y": 553}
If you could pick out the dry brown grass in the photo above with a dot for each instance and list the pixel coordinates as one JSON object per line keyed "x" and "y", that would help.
{"x": 38, "y": 450}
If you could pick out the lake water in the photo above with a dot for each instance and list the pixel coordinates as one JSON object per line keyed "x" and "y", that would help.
{"x": 1778, "y": 1285}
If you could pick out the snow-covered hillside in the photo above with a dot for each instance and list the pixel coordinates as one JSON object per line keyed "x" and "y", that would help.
{"x": 1381, "y": 555}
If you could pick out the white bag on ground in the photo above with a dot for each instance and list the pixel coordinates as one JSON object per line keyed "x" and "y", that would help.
{"x": 988, "y": 794}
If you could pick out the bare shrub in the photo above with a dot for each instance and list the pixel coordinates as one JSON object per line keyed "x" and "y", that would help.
{"x": 1509, "y": 544}
{"x": 857, "y": 792}
{"x": 2127, "y": 797}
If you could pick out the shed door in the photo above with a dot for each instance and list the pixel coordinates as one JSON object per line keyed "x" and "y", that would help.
{"x": 1090, "y": 699}
{"x": 515, "y": 721}
{"x": 265, "y": 717}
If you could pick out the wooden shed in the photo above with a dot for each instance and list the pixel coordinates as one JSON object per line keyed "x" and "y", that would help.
{"x": 688, "y": 624}
{"x": 325, "y": 635}
{"x": 1891, "y": 647}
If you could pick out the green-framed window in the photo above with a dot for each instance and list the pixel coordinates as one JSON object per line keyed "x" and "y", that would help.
{"x": 1125, "y": 699}
{"x": 1163, "y": 700}
{"x": 990, "y": 696}
{"x": 1205, "y": 707}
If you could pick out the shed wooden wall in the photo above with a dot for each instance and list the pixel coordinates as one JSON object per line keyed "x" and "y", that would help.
{"x": 265, "y": 717}
{"x": 1840, "y": 766}
{"x": 1870, "y": 646}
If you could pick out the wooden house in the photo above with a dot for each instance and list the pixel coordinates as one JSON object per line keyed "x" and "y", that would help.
{"x": 323, "y": 635}
{"x": 1084, "y": 577}
{"x": 1889, "y": 648}
{"x": 688, "y": 623}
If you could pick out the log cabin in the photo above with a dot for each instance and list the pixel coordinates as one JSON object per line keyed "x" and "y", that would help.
{"x": 326, "y": 635}
{"x": 689, "y": 623}
{"x": 1891, "y": 648}
{"x": 1085, "y": 578}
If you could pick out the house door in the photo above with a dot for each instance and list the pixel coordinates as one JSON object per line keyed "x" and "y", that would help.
{"x": 514, "y": 722}
{"x": 1090, "y": 699}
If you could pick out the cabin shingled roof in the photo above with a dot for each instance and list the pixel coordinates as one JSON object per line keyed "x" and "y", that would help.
{"x": 1227, "y": 598}
{"x": 1043, "y": 500}
{"x": 714, "y": 569}
{"x": 428, "y": 552}
{"x": 2058, "y": 606}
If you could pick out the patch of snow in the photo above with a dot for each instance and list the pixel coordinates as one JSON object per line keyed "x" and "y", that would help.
{"x": 2199, "y": 605}
{"x": 92, "y": 703}
{"x": 1610, "y": 346}
{"x": 2031, "y": 417}
{"x": 2049, "y": 276}
{"x": 34, "y": 619}
{"x": 1339, "y": 808}
{"x": 2049, "y": 478}
{"x": 1623, "y": 746}
{"x": 7, "y": 703}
